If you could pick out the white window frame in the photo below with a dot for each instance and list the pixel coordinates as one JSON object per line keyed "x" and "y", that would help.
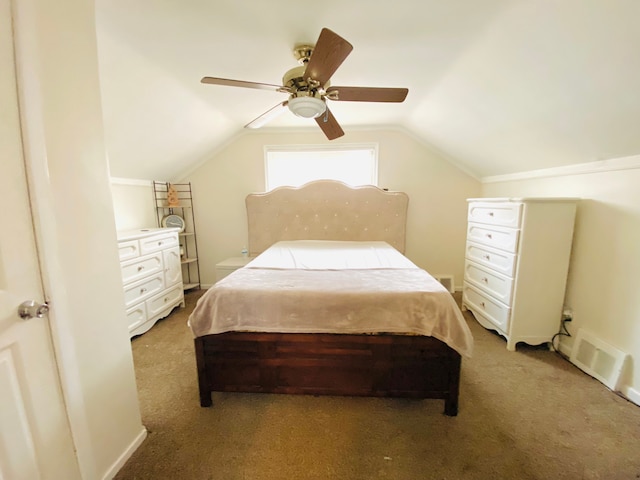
{"x": 314, "y": 149}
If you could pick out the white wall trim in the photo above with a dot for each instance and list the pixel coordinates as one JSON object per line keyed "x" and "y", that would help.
{"x": 631, "y": 394}
{"x": 130, "y": 181}
{"x": 601, "y": 166}
{"x": 565, "y": 347}
{"x": 126, "y": 455}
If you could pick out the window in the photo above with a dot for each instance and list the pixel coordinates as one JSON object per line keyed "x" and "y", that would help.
{"x": 296, "y": 165}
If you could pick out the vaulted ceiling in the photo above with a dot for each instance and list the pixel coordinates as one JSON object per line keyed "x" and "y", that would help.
{"x": 498, "y": 86}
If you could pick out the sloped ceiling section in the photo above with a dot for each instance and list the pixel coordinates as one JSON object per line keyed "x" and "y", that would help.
{"x": 500, "y": 86}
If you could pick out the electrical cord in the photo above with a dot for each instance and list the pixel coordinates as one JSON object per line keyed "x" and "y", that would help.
{"x": 563, "y": 332}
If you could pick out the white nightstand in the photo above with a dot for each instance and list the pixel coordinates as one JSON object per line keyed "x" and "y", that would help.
{"x": 229, "y": 265}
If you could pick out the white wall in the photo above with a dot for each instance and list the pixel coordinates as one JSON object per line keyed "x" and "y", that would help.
{"x": 133, "y": 204}
{"x": 57, "y": 68}
{"x": 436, "y": 225}
{"x": 604, "y": 276}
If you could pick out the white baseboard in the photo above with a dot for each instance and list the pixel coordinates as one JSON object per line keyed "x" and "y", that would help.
{"x": 126, "y": 455}
{"x": 565, "y": 347}
{"x": 631, "y": 394}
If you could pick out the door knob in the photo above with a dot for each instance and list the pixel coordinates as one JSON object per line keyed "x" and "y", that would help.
{"x": 31, "y": 309}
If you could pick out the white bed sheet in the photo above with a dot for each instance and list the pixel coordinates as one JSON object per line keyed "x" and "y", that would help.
{"x": 332, "y": 287}
{"x": 331, "y": 255}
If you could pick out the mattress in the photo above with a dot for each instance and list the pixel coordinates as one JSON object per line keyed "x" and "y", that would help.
{"x": 309, "y": 286}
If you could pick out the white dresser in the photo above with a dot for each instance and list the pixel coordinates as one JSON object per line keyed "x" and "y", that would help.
{"x": 517, "y": 259}
{"x": 151, "y": 275}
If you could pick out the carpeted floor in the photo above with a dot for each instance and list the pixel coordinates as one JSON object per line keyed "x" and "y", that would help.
{"x": 523, "y": 415}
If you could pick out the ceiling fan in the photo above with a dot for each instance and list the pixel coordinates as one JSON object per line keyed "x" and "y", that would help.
{"x": 309, "y": 88}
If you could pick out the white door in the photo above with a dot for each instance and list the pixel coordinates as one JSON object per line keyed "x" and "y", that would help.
{"x": 35, "y": 437}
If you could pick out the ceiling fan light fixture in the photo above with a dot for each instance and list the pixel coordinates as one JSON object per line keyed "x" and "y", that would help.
{"x": 307, "y": 107}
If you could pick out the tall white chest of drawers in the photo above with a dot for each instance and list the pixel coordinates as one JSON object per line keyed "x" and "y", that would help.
{"x": 517, "y": 259}
{"x": 151, "y": 275}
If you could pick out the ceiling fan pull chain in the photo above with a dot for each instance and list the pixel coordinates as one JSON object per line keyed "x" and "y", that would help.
{"x": 326, "y": 116}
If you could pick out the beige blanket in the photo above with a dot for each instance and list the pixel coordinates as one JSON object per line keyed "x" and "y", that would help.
{"x": 299, "y": 300}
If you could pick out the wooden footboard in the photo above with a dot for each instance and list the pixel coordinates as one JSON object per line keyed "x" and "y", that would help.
{"x": 328, "y": 364}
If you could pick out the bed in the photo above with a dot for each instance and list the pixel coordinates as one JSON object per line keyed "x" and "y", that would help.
{"x": 330, "y": 305}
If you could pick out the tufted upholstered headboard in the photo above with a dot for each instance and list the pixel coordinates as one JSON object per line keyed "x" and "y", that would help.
{"x": 326, "y": 210}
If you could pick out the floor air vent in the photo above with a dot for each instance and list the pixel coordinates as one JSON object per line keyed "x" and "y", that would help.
{"x": 597, "y": 358}
{"x": 446, "y": 281}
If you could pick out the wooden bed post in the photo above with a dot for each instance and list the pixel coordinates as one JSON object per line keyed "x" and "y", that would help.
{"x": 451, "y": 402}
{"x": 203, "y": 378}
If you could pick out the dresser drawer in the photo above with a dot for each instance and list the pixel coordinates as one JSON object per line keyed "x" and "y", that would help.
{"x": 158, "y": 242}
{"x": 141, "y": 267}
{"x": 128, "y": 249}
{"x": 483, "y": 304}
{"x": 502, "y": 214}
{"x": 499, "y": 260}
{"x": 172, "y": 266}
{"x": 136, "y": 316}
{"x": 497, "y": 237}
{"x": 495, "y": 284}
{"x": 166, "y": 300}
{"x": 143, "y": 289}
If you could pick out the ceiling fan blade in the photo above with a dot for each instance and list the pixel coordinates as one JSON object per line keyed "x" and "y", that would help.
{"x": 328, "y": 54}
{"x": 329, "y": 125}
{"x": 268, "y": 115}
{"x": 240, "y": 83}
{"x": 367, "y": 94}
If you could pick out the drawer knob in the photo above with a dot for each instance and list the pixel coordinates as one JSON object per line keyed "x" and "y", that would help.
{"x": 491, "y": 214}
{"x": 489, "y": 235}
{"x": 482, "y": 304}
{"x": 485, "y": 280}
{"x": 159, "y": 243}
{"x": 487, "y": 257}
{"x": 142, "y": 290}
{"x": 140, "y": 268}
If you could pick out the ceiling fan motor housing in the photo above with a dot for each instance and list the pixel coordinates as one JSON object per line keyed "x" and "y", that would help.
{"x": 306, "y": 100}
{"x": 295, "y": 81}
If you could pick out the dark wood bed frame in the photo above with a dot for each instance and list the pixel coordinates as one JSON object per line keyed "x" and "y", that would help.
{"x": 382, "y": 365}
{"x": 328, "y": 364}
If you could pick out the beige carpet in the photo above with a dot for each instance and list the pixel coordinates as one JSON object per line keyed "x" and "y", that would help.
{"x": 523, "y": 415}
